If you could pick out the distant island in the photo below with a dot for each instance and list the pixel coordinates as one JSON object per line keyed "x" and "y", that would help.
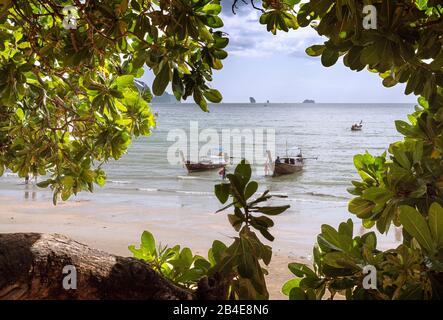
{"x": 165, "y": 98}
{"x": 251, "y": 100}
{"x": 308, "y": 101}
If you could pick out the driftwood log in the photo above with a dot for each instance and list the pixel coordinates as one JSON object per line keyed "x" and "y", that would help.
{"x": 31, "y": 267}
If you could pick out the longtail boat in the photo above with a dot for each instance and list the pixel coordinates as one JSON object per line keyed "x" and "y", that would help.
{"x": 287, "y": 164}
{"x": 203, "y": 165}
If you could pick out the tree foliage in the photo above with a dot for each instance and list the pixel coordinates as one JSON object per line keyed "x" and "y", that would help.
{"x": 237, "y": 269}
{"x": 239, "y": 264}
{"x": 401, "y": 187}
{"x": 68, "y": 101}
{"x": 68, "y": 104}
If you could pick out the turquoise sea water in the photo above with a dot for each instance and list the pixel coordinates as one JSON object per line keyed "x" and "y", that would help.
{"x": 320, "y": 130}
{"x": 317, "y": 194}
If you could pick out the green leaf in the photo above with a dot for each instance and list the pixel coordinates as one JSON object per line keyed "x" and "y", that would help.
{"x": 297, "y": 294}
{"x": 177, "y": 85}
{"x": 346, "y": 228}
{"x": 214, "y": 21}
{"x": 217, "y": 250}
{"x": 300, "y": 270}
{"x": 389, "y": 82}
{"x": 287, "y": 287}
{"x": 20, "y": 114}
{"x": 336, "y": 259}
{"x": 265, "y": 233}
{"x": 45, "y": 184}
{"x": 361, "y": 207}
{"x": 370, "y": 239}
{"x": 124, "y": 82}
{"x": 222, "y": 192}
{"x": 435, "y": 221}
{"x": 251, "y": 188}
{"x": 315, "y": 50}
{"x": 235, "y": 221}
{"x": 243, "y": 171}
{"x": 148, "y": 242}
{"x": 330, "y": 234}
{"x": 264, "y": 221}
{"x": 237, "y": 189}
{"x": 212, "y": 8}
{"x": 377, "y": 194}
{"x": 329, "y": 57}
{"x": 161, "y": 80}
{"x": 200, "y": 100}
{"x": 272, "y": 211}
{"x": 415, "y": 224}
{"x": 213, "y": 95}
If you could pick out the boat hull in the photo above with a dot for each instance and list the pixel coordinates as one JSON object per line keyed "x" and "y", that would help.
{"x": 285, "y": 168}
{"x": 197, "y": 167}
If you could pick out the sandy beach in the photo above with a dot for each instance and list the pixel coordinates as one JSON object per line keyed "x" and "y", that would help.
{"x": 112, "y": 228}
{"x": 112, "y": 220}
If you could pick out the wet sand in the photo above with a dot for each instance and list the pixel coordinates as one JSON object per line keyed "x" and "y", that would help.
{"x": 112, "y": 228}
{"x": 112, "y": 222}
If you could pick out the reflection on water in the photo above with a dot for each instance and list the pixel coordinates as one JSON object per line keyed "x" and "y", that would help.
{"x": 27, "y": 192}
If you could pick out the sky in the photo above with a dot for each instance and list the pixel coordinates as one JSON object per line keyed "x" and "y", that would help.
{"x": 276, "y": 67}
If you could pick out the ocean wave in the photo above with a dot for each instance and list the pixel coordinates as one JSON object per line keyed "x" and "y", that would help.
{"x": 283, "y": 194}
{"x": 317, "y": 200}
{"x": 120, "y": 182}
{"x": 326, "y": 195}
{"x": 202, "y": 193}
{"x": 148, "y": 189}
{"x": 195, "y": 178}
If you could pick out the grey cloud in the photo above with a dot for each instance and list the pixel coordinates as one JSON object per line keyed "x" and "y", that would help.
{"x": 249, "y": 38}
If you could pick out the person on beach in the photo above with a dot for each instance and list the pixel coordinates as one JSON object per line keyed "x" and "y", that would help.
{"x": 222, "y": 172}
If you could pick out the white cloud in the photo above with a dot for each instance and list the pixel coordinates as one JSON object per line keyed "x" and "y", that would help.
{"x": 249, "y": 38}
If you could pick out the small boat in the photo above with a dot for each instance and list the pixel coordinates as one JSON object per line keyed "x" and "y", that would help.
{"x": 203, "y": 165}
{"x": 287, "y": 164}
{"x": 357, "y": 127}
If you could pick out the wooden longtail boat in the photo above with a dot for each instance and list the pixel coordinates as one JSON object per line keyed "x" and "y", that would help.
{"x": 201, "y": 166}
{"x": 204, "y": 165}
{"x": 288, "y": 166}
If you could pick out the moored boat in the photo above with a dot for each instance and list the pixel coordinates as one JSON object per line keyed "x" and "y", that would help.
{"x": 204, "y": 165}
{"x": 288, "y": 166}
{"x": 285, "y": 165}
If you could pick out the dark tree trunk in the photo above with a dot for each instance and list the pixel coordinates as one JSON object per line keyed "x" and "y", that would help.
{"x": 31, "y": 267}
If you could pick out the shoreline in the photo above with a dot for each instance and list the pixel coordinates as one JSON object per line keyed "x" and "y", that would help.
{"x": 107, "y": 227}
{"x": 112, "y": 222}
